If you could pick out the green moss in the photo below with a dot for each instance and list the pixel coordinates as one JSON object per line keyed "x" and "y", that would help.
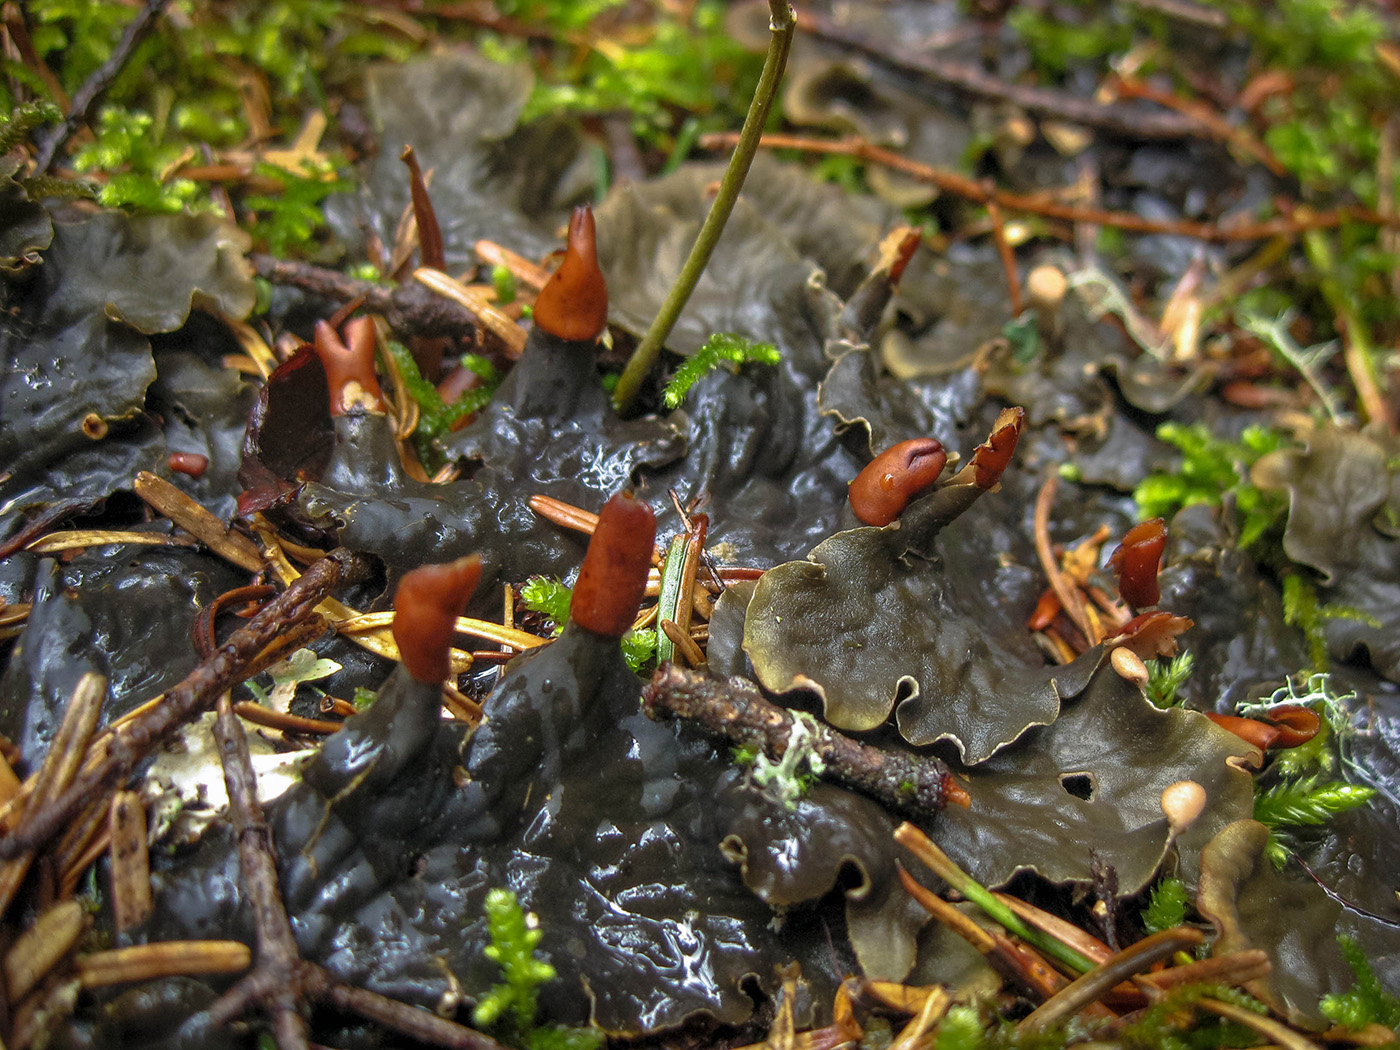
{"x": 1166, "y": 677}
{"x": 1306, "y": 802}
{"x": 436, "y": 417}
{"x": 962, "y": 1028}
{"x": 1166, "y": 906}
{"x": 719, "y": 348}
{"x": 549, "y": 597}
{"x": 1366, "y": 1002}
{"x": 1302, "y": 609}
{"x": 1211, "y": 468}
{"x": 292, "y": 218}
{"x": 509, "y": 1007}
{"x": 687, "y": 64}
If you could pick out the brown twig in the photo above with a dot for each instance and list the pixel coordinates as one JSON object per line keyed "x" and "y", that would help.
{"x": 276, "y": 954}
{"x": 1064, "y": 589}
{"x": 1131, "y": 87}
{"x": 98, "y": 82}
{"x": 177, "y": 505}
{"x": 59, "y": 767}
{"x": 1232, "y": 968}
{"x": 962, "y": 186}
{"x": 414, "y": 1021}
{"x": 198, "y": 691}
{"x": 13, "y": 19}
{"x": 1005, "y": 252}
{"x": 410, "y": 308}
{"x": 737, "y": 711}
{"x": 1129, "y": 122}
{"x": 1010, "y": 958}
{"x": 283, "y": 720}
{"x": 1089, "y": 987}
{"x": 281, "y": 982}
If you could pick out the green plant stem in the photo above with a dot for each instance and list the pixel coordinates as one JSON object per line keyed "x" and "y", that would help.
{"x": 942, "y": 865}
{"x": 1356, "y": 339}
{"x": 783, "y": 23}
{"x": 671, "y": 576}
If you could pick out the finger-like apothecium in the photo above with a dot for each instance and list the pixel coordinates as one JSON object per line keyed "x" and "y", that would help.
{"x": 426, "y": 607}
{"x": 349, "y": 365}
{"x": 884, "y": 488}
{"x": 1136, "y": 560}
{"x": 613, "y": 578}
{"x": 573, "y": 304}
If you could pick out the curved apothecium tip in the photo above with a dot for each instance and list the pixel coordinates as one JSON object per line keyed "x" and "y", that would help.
{"x": 426, "y": 607}
{"x": 573, "y": 304}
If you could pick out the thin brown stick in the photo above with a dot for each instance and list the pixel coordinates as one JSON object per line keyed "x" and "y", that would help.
{"x": 737, "y": 711}
{"x": 410, "y": 308}
{"x": 1232, "y": 968}
{"x": 38, "y": 949}
{"x": 1221, "y": 130}
{"x": 1005, "y": 252}
{"x": 277, "y": 953}
{"x": 144, "y": 962}
{"x": 1131, "y": 123}
{"x": 522, "y": 269}
{"x": 693, "y": 654}
{"x": 1064, "y": 589}
{"x": 1089, "y": 987}
{"x": 962, "y": 186}
{"x": 694, "y": 548}
{"x": 57, "y": 771}
{"x": 13, "y": 19}
{"x": 196, "y": 693}
{"x": 1039, "y": 980}
{"x": 283, "y": 720}
{"x": 176, "y": 505}
{"x": 1085, "y": 943}
{"x": 413, "y": 1021}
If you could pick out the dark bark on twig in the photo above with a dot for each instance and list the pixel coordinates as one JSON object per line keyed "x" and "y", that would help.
{"x": 1042, "y": 204}
{"x": 198, "y": 692}
{"x": 277, "y": 955}
{"x": 737, "y": 711}
{"x": 409, "y": 1020}
{"x": 282, "y": 983}
{"x": 410, "y": 308}
{"x": 1128, "y": 122}
{"x": 98, "y": 82}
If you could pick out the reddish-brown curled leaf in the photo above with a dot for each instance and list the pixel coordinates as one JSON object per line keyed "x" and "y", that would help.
{"x": 1260, "y": 734}
{"x": 1045, "y": 611}
{"x": 991, "y": 457}
{"x": 1136, "y": 561}
{"x": 192, "y": 463}
{"x": 1151, "y": 634}
{"x": 613, "y": 578}
{"x": 426, "y": 607}
{"x": 349, "y": 365}
{"x": 1296, "y": 725}
{"x": 884, "y": 488}
{"x": 573, "y": 304}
